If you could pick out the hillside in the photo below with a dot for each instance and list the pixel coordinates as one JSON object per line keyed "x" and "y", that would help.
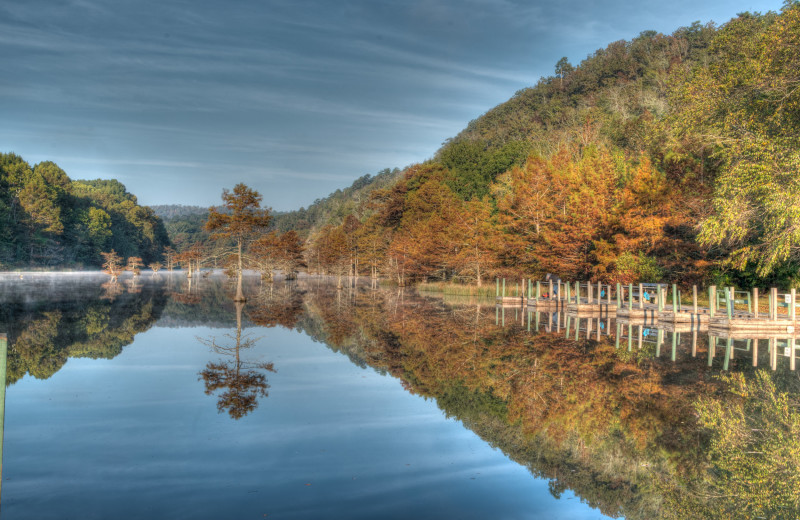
{"x": 666, "y": 157}
{"x": 48, "y": 219}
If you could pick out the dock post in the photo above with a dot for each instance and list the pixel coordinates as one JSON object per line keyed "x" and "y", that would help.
{"x": 577, "y": 294}
{"x": 774, "y": 298}
{"x": 538, "y": 290}
{"x": 497, "y": 290}
{"x": 755, "y": 352}
{"x": 792, "y": 311}
{"x": 566, "y": 334}
{"x": 504, "y": 287}
{"x": 599, "y": 293}
{"x": 630, "y": 297}
{"x": 755, "y": 302}
{"x": 712, "y": 349}
{"x": 660, "y": 299}
{"x": 773, "y": 352}
{"x": 630, "y": 337}
{"x": 640, "y": 338}
{"x": 641, "y": 292}
{"x": 619, "y": 300}
{"x": 616, "y": 341}
{"x": 568, "y": 286}
{"x": 659, "y": 341}
{"x": 550, "y": 289}
{"x": 589, "y": 293}
{"x": 674, "y": 345}
{"x": 728, "y": 352}
{"x": 675, "y": 305}
{"x": 712, "y": 300}
{"x": 694, "y": 299}
{"x": 729, "y": 302}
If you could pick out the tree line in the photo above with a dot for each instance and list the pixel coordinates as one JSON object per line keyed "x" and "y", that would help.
{"x": 48, "y": 219}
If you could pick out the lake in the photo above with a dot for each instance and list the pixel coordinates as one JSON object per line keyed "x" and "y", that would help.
{"x": 158, "y": 397}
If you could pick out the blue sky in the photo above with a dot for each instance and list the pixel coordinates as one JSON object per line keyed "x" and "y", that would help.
{"x": 179, "y": 99}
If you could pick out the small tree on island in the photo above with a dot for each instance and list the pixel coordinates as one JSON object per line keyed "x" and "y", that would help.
{"x": 155, "y": 266}
{"x": 243, "y": 218}
{"x": 112, "y": 264}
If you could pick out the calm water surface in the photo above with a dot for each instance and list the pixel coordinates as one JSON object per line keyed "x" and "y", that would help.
{"x": 163, "y": 399}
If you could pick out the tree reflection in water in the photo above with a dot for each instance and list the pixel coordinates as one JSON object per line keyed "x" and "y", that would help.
{"x": 242, "y": 382}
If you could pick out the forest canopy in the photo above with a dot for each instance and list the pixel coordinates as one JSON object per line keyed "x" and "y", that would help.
{"x": 48, "y": 219}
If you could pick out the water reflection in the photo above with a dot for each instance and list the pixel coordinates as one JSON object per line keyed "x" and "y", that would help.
{"x": 242, "y": 382}
{"x": 632, "y": 417}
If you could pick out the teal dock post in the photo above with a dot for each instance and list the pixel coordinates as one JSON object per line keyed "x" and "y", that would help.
{"x": 504, "y": 287}
{"x": 630, "y": 337}
{"x": 537, "y": 321}
{"x": 728, "y": 354}
{"x": 577, "y": 328}
{"x": 538, "y": 290}
{"x": 675, "y": 304}
{"x": 619, "y": 330}
{"x": 568, "y": 285}
{"x": 566, "y": 334}
{"x": 630, "y": 297}
{"x": 660, "y": 298}
{"x": 577, "y": 294}
{"x": 497, "y": 290}
{"x": 529, "y": 320}
{"x": 729, "y": 302}
{"x": 712, "y": 346}
{"x": 712, "y": 301}
{"x": 619, "y": 300}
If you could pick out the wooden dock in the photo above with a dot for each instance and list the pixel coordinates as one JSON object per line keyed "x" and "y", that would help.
{"x": 728, "y": 308}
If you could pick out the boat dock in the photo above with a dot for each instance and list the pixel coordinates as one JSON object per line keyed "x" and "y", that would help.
{"x": 727, "y": 308}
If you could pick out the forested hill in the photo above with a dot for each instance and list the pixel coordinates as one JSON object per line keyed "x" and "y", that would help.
{"x": 335, "y": 207}
{"x": 172, "y": 211}
{"x": 48, "y": 219}
{"x": 670, "y": 156}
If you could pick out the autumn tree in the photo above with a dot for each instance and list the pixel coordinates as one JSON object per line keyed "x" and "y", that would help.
{"x": 134, "y": 263}
{"x": 112, "y": 264}
{"x": 263, "y": 254}
{"x": 332, "y": 252}
{"x": 243, "y": 216}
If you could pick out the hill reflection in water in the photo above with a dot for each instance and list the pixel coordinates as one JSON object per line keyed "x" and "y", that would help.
{"x": 636, "y": 421}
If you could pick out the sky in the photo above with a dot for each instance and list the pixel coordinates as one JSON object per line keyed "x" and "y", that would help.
{"x": 295, "y": 98}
